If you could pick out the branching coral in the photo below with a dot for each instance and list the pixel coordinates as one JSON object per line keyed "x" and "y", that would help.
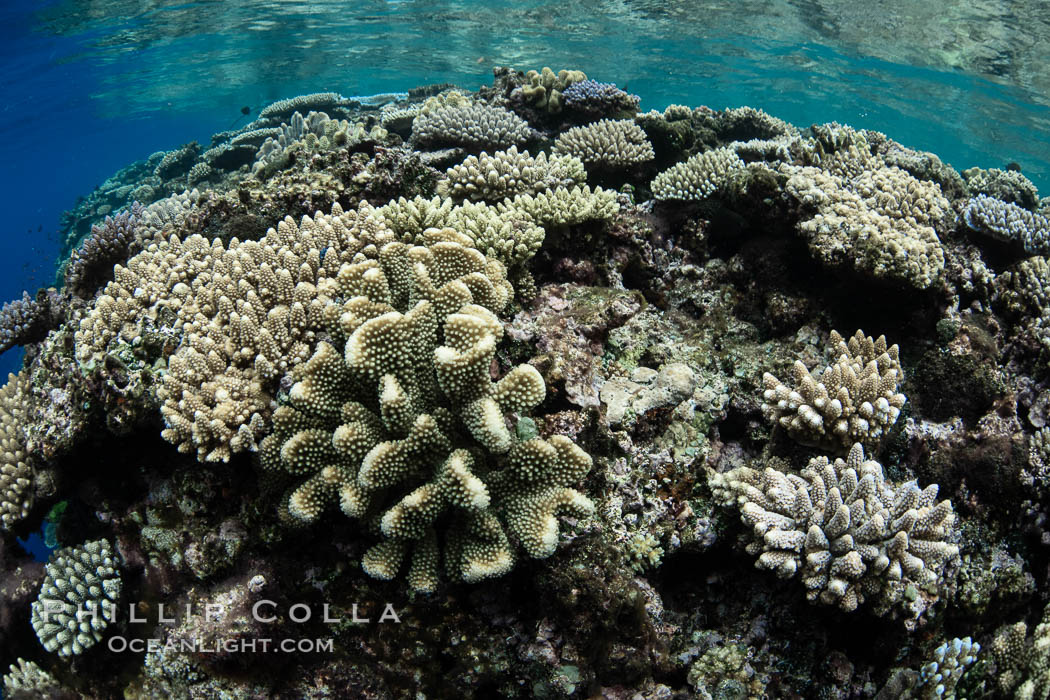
{"x": 384, "y": 427}
{"x": 854, "y": 399}
{"x": 111, "y": 242}
{"x": 313, "y": 133}
{"x": 874, "y": 219}
{"x": 1023, "y": 661}
{"x": 544, "y": 89}
{"x": 939, "y": 677}
{"x": 564, "y": 207}
{"x": 699, "y": 177}
{"x": 511, "y": 231}
{"x": 249, "y": 315}
{"x": 606, "y": 144}
{"x": 598, "y": 99}
{"x": 78, "y": 598}
{"x": 1009, "y": 222}
{"x": 28, "y": 320}
{"x": 508, "y": 173}
{"x": 16, "y": 473}
{"x": 843, "y": 529}
{"x": 317, "y": 101}
{"x": 1007, "y": 185}
{"x": 473, "y": 126}
{"x": 27, "y": 680}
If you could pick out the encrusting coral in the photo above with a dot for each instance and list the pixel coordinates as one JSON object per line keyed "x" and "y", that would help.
{"x": 854, "y": 399}
{"x": 385, "y": 428}
{"x": 78, "y": 598}
{"x": 849, "y": 535}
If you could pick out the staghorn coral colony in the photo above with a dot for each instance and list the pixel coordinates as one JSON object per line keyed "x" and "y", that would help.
{"x": 526, "y": 392}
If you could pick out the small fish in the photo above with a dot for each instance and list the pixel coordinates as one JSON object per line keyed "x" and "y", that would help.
{"x": 246, "y": 110}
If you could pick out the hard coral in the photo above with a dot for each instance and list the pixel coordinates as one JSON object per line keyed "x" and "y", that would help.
{"x": 855, "y": 399}
{"x": 399, "y": 410}
{"x": 849, "y": 533}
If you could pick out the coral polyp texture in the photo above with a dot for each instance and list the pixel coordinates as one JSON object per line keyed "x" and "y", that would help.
{"x": 1008, "y": 222}
{"x": 26, "y": 680}
{"x": 847, "y": 533}
{"x": 78, "y": 599}
{"x": 699, "y": 177}
{"x": 595, "y": 99}
{"x": 16, "y": 473}
{"x": 383, "y": 427}
{"x": 507, "y": 173}
{"x": 493, "y": 381}
{"x": 474, "y": 126}
{"x": 607, "y": 144}
{"x": 854, "y": 399}
{"x": 1023, "y": 660}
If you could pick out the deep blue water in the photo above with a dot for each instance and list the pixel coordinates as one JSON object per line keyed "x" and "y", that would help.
{"x": 90, "y": 85}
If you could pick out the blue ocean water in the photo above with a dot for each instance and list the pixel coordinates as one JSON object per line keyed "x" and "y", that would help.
{"x": 90, "y": 86}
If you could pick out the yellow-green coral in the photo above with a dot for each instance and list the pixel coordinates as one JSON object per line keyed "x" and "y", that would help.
{"x": 78, "y": 597}
{"x": 1023, "y": 661}
{"x": 390, "y": 428}
{"x": 876, "y": 220}
{"x": 543, "y": 89}
{"x": 699, "y": 177}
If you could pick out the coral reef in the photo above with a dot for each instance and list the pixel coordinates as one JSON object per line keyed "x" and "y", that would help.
{"x": 942, "y": 674}
{"x": 1023, "y": 660}
{"x": 111, "y": 242}
{"x": 596, "y": 99}
{"x": 16, "y": 473}
{"x": 879, "y": 221}
{"x": 28, "y": 320}
{"x": 27, "y": 680}
{"x": 473, "y": 420}
{"x": 353, "y": 454}
{"x": 543, "y": 89}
